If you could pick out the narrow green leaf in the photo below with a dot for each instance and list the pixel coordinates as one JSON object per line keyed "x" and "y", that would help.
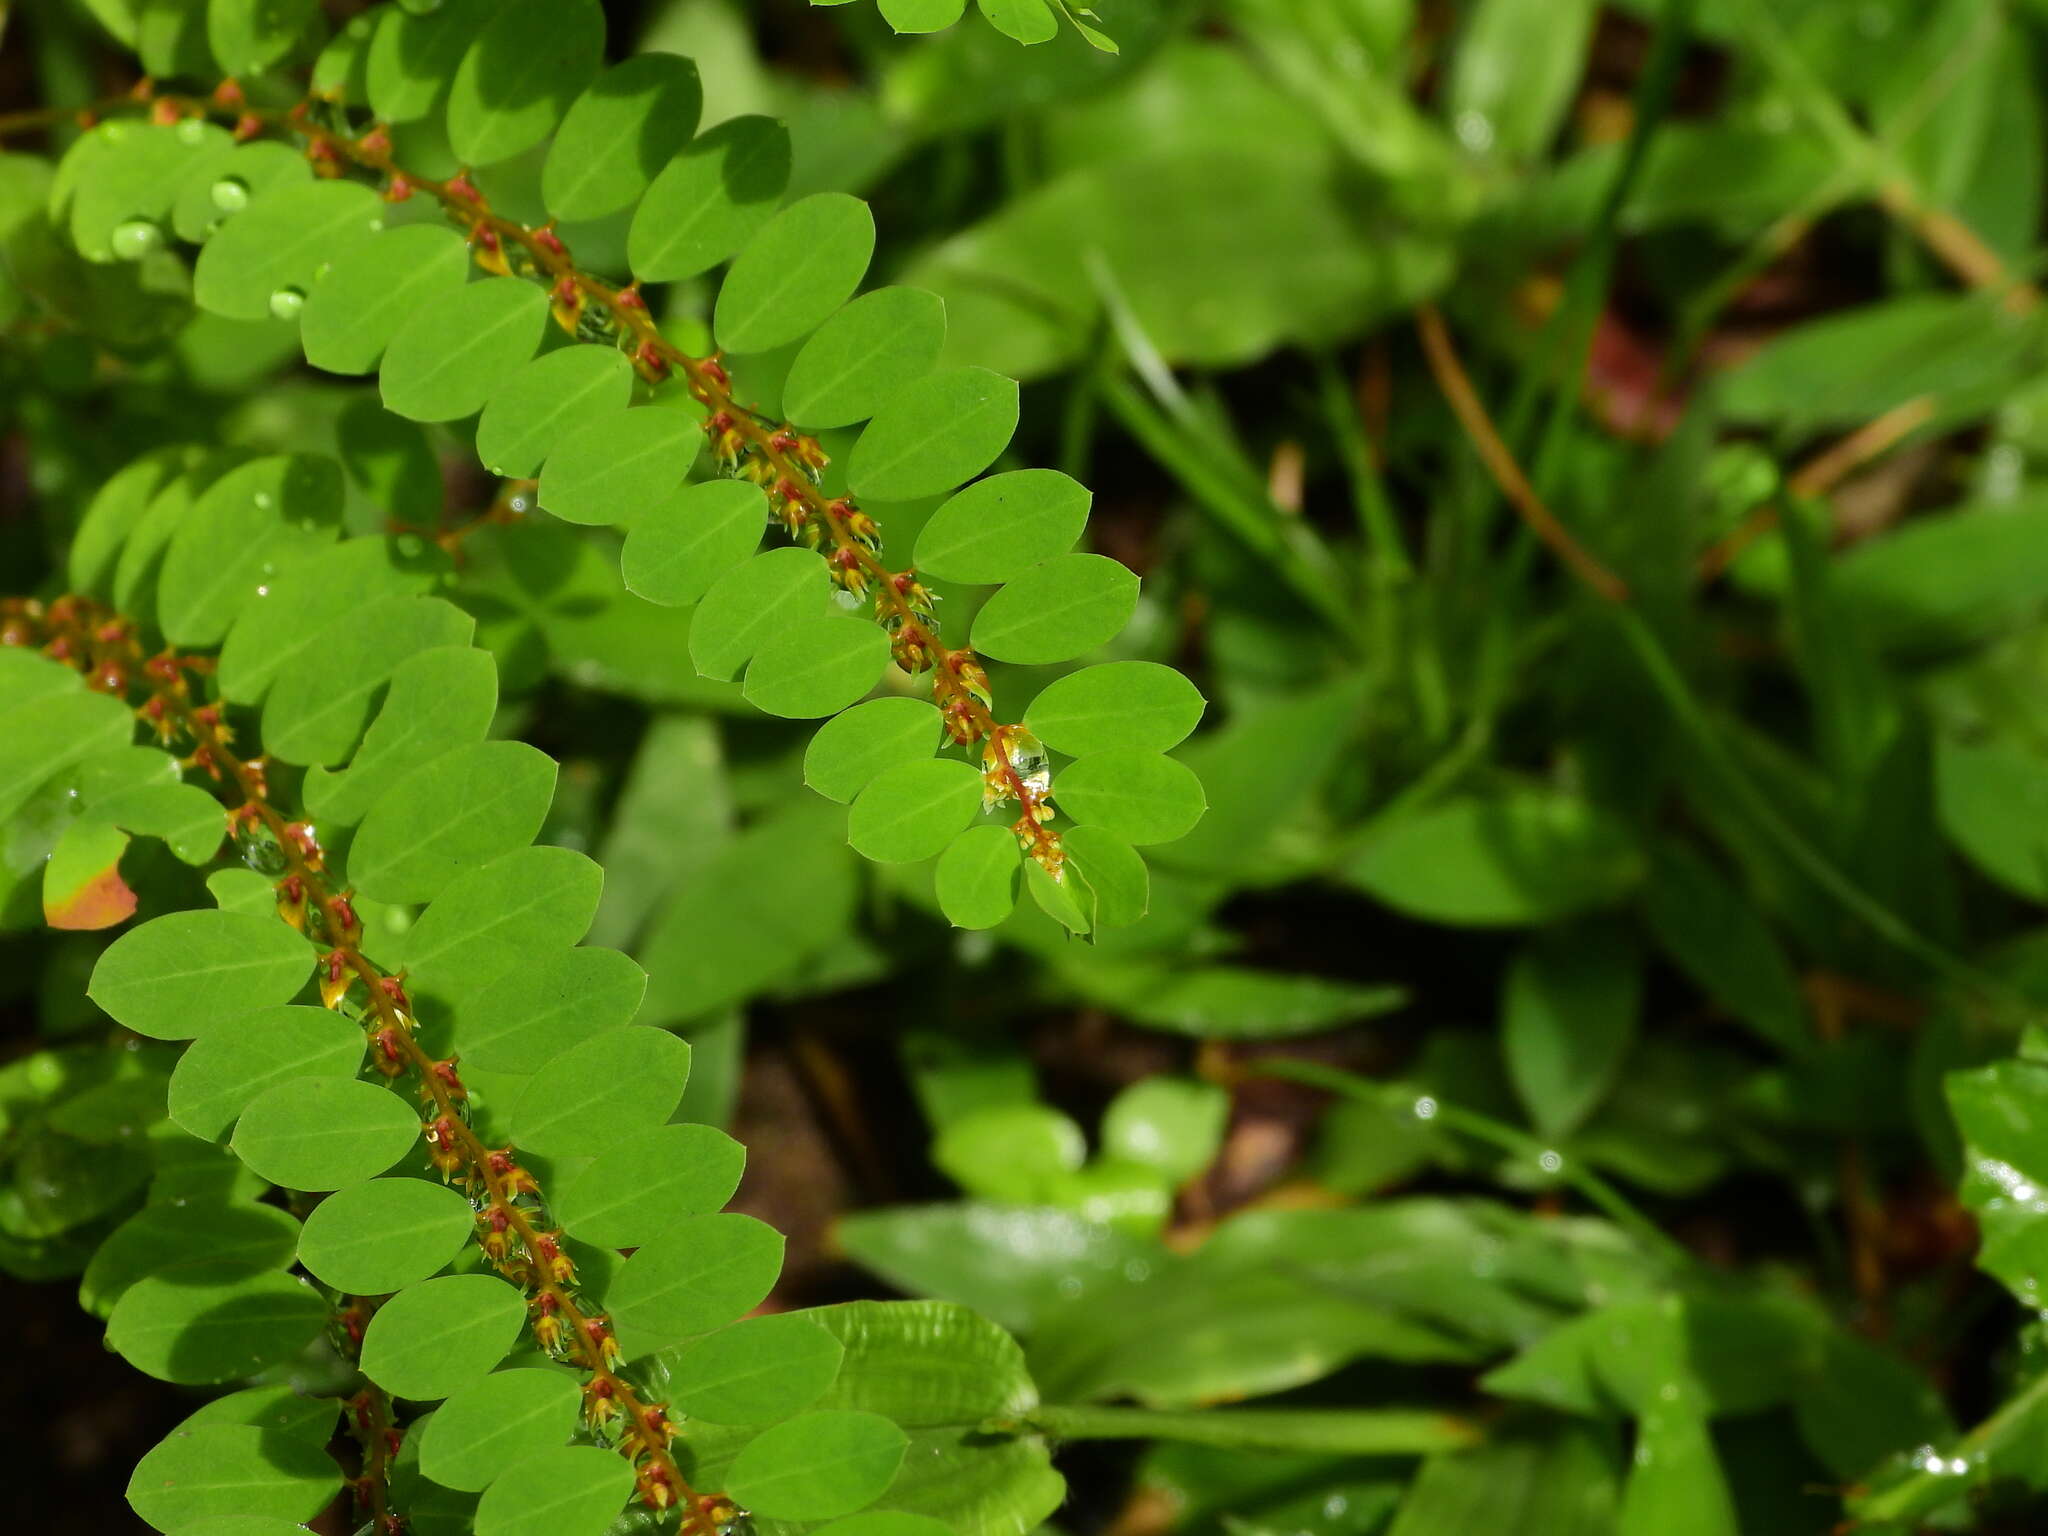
{"x": 546, "y": 399}
{"x": 613, "y": 468}
{"x": 440, "y": 1335}
{"x": 977, "y": 877}
{"x": 186, "y": 973}
{"x": 447, "y": 363}
{"x": 619, "y": 134}
{"x": 710, "y": 200}
{"x": 528, "y": 63}
{"x": 1140, "y": 796}
{"x": 690, "y": 537}
{"x": 1136, "y": 704}
{"x": 1057, "y": 610}
{"x": 817, "y": 1466}
{"x": 933, "y": 434}
{"x": 622, "y": 1080}
{"x": 376, "y": 1237}
{"x": 804, "y": 264}
{"x": 321, "y": 1133}
{"x": 373, "y": 289}
{"x": 873, "y": 347}
{"x": 913, "y": 810}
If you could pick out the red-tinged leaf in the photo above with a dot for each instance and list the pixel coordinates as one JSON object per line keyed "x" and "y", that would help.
{"x": 82, "y": 885}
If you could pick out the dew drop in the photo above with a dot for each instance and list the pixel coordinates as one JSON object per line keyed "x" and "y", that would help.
{"x": 376, "y": 226}
{"x": 230, "y": 194}
{"x": 1550, "y": 1162}
{"x": 135, "y": 239}
{"x": 264, "y": 500}
{"x": 191, "y": 131}
{"x": 286, "y": 303}
{"x": 521, "y": 503}
{"x": 114, "y": 133}
{"x": 1425, "y": 1108}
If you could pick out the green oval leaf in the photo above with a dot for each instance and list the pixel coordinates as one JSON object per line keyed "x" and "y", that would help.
{"x": 545, "y": 1004}
{"x": 710, "y": 200}
{"x": 439, "y": 699}
{"x": 998, "y": 527}
{"x": 1057, "y": 610}
{"x": 248, "y": 36}
{"x": 195, "y": 1240}
{"x": 278, "y": 244}
{"x": 565, "y": 1490}
{"x": 804, "y": 264}
{"x": 320, "y": 1133}
{"x": 185, "y": 973}
{"x": 456, "y": 812}
{"x": 376, "y": 1237}
{"x": 756, "y": 1371}
{"x": 181, "y": 1327}
{"x": 622, "y": 1080}
{"x": 977, "y": 877}
{"x": 913, "y": 810}
{"x": 698, "y": 1274}
{"x": 851, "y": 748}
{"x": 610, "y": 469}
{"x": 545, "y": 400}
{"x": 1140, "y": 796}
{"x": 490, "y": 920}
{"x": 933, "y": 434}
{"x": 373, "y": 288}
{"x": 753, "y": 602}
{"x": 1118, "y": 704}
{"x": 632, "y": 1189}
{"x": 873, "y": 347}
{"x": 447, "y": 363}
{"x": 817, "y": 1466}
{"x": 816, "y": 667}
{"x": 689, "y": 538}
{"x": 619, "y": 134}
{"x": 215, "y": 1470}
{"x": 435, "y": 1337}
{"x": 220, "y": 1073}
{"x": 254, "y": 518}
{"x": 414, "y": 55}
{"x": 1113, "y": 877}
{"x": 519, "y": 76}
{"x": 496, "y": 1423}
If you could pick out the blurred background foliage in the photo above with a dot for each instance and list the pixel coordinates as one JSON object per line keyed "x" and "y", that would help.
{"x": 1599, "y": 1001}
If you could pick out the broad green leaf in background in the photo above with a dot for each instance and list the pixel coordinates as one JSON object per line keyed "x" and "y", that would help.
{"x": 913, "y": 810}
{"x": 622, "y": 1080}
{"x": 1169, "y": 1123}
{"x": 688, "y": 538}
{"x": 1013, "y": 1152}
{"x": 520, "y": 74}
{"x": 977, "y": 877}
{"x": 567, "y": 1490}
{"x": 374, "y": 289}
{"x": 710, "y": 200}
{"x": 198, "y": 1326}
{"x": 817, "y": 667}
{"x": 447, "y": 363}
{"x": 817, "y": 1466}
{"x": 752, "y": 603}
{"x": 1993, "y": 800}
{"x": 497, "y": 1422}
{"x": 873, "y": 347}
{"x": 755, "y": 1371}
{"x": 546, "y": 399}
{"x": 933, "y": 434}
{"x": 999, "y": 527}
{"x": 850, "y": 749}
{"x": 186, "y": 973}
{"x": 263, "y": 262}
{"x": 321, "y": 1133}
{"x": 612, "y": 468}
{"x": 635, "y": 1186}
{"x": 1558, "y": 1477}
{"x": 619, "y": 134}
{"x": 218, "y": 1075}
{"x": 1515, "y": 72}
{"x": 699, "y": 1273}
{"x": 453, "y": 813}
{"x": 804, "y": 264}
{"x": 438, "y": 1336}
{"x": 1717, "y": 938}
{"x": 1568, "y": 1017}
{"x": 1140, "y": 796}
{"x": 377, "y": 1237}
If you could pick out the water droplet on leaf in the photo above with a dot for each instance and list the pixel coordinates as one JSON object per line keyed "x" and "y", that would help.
{"x": 135, "y": 239}
{"x": 286, "y": 303}
{"x": 230, "y": 194}
{"x": 191, "y": 131}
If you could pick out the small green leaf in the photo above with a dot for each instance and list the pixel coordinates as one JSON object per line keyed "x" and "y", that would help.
{"x": 816, "y": 667}
{"x": 519, "y": 76}
{"x": 922, "y": 15}
{"x": 623, "y": 1080}
{"x": 447, "y": 364}
{"x": 454, "y": 813}
{"x": 565, "y": 1490}
{"x": 635, "y": 1186}
{"x": 913, "y": 810}
{"x": 496, "y": 1423}
{"x": 1115, "y": 890}
{"x": 321, "y": 1133}
{"x": 375, "y": 1237}
{"x": 1016, "y": 1153}
{"x": 612, "y": 468}
{"x": 189, "y": 1240}
{"x": 690, "y": 537}
{"x": 850, "y": 749}
{"x": 804, "y": 264}
{"x": 219, "y": 1074}
{"x": 861, "y": 356}
{"x": 1173, "y": 1124}
{"x": 977, "y": 877}
{"x": 998, "y": 527}
{"x": 185, "y": 973}
{"x": 545, "y": 1004}
{"x": 1118, "y": 704}
{"x": 545, "y": 400}
{"x": 699, "y": 1273}
{"x": 1993, "y": 800}
{"x": 619, "y": 134}
{"x": 234, "y": 174}
{"x": 373, "y": 289}
{"x": 254, "y": 518}
{"x": 83, "y": 891}
{"x": 710, "y": 200}
{"x": 751, "y": 603}
{"x": 184, "y": 1327}
{"x": 414, "y": 55}
{"x": 440, "y": 1335}
{"x": 321, "y": 700}
{"x": 1057, "y": 610}
{"x": 248, "y": 36}
{"x": 755, "y": 1371}
{"x": 1028, "y": 21}
{"x": 488, "y": 921}
{"x": 217, "y": 1470}
{"x": 1140, "y": 796}
{"x": 264, "y": 261}
{"x": 817, "y": 1466}
{"x": 933, "y": 434}
{"x": 438, "y": 700}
